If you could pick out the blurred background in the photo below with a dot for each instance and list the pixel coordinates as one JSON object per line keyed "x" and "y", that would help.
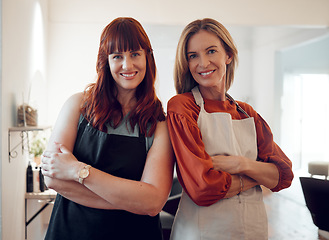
{"x": 49, "y": 50}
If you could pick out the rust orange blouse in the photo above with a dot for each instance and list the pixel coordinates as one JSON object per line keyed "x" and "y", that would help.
{"x": 204, "y": 185}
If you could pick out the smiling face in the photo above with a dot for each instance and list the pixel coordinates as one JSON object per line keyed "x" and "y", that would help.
{"x": 207, "y": 60}
{"x": 128, "y": 69}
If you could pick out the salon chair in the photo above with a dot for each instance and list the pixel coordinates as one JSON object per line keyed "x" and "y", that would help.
{"x": 316, "y": 194}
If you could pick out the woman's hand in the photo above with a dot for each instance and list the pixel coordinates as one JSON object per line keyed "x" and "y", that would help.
{"x": 263, "y": 173}
{"x": 61, "y": 165}
{"x": 230, "y": 164}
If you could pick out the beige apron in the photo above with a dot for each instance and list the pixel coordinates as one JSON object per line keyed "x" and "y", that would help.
{"x": 240, "y": 217}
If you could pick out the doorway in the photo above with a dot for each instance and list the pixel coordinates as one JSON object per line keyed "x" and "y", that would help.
{"x": 305, "y": 118}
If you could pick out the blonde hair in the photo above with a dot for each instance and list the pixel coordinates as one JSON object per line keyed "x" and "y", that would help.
{"x": 184, "y": 81}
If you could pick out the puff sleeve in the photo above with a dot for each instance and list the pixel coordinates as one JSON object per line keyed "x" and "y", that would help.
{"x": 269, "y": 151}
{"x": 204, "y": 185}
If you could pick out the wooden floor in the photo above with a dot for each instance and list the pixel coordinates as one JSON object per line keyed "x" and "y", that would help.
{"x": 288, "y": 216}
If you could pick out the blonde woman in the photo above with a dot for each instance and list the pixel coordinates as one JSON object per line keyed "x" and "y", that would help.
{"x": 224, "y": 149}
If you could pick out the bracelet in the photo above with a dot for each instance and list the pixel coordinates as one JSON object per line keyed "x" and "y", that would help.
{"x": 241, "y": 184}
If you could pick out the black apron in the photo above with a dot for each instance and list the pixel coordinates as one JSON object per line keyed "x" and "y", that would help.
{"x": 121, "y": 156}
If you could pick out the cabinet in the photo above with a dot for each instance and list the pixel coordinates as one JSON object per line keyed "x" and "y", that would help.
{"x": 24, "y": 138}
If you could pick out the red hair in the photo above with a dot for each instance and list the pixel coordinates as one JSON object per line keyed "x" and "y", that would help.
{"x": 100, "y": 105}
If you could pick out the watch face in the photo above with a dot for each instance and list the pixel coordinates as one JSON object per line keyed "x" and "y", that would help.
{"x": 84, "y": 173}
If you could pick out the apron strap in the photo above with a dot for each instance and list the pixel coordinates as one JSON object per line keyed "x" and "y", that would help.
{"x": 199, "y": 100}
{"x": 237, "y": 105}
{"x": 197, "y": 96}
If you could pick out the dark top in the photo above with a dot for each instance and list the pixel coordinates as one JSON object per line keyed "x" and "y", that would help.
{"x": 119, "y": 155}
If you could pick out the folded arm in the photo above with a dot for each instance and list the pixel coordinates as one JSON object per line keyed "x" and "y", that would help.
{"x": 102, "y": 190}
{"x": 65, "y": 131}
{"x": 204, "y": 185}
{"x": 262, "y": 173}
{"x": 273, "y": 170}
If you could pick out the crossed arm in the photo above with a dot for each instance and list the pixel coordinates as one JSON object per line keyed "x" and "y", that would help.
{"x": 102, "y": 190}
{"x": 252, "y": 172}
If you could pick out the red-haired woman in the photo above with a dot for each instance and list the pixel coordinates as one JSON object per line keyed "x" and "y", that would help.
{"x": 109, "y": 156}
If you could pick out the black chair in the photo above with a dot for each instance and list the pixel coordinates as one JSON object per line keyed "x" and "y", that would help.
{"x": 168, "y": 213}
{"x": 316, "y": 194}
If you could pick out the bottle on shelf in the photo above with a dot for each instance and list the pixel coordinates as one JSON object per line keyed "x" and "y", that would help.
{"x": 29, "y": 178}
{"x": 36, "y": 179}
{"x": 41, "y": 181}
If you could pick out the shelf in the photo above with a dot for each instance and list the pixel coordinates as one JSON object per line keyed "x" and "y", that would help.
{"x": 28, "y": 128}
{"x": 24, "y": 136}
{"x": 48, "y": 194}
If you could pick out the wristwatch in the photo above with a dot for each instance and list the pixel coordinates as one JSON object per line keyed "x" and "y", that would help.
{"x": 84, "y": 173}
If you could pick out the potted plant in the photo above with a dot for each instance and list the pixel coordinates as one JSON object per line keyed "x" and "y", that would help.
{"x": 37, "y": 147}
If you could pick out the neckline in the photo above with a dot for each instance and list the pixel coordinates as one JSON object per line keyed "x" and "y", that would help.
{"x": 200, "y": 101}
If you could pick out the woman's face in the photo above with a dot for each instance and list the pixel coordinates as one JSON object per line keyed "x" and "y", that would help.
{"x": 128, "y": 68}
{"x": 207, "y": 60}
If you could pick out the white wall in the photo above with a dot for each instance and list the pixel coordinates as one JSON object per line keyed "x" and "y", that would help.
{"x": 266, "y": 44}
{"x": 173, "y": 12}
{"x": 72, "y": 56}
{"x": 309, "y": 57}
{"x": 21, "y": 61}
{"x": 266, "y": 80}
